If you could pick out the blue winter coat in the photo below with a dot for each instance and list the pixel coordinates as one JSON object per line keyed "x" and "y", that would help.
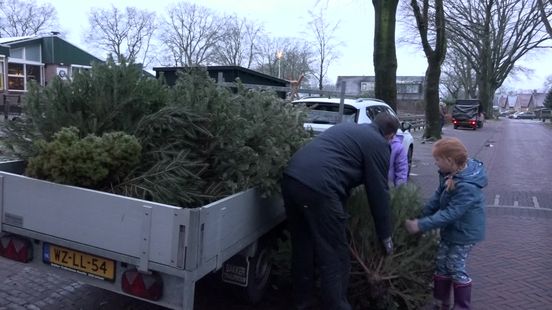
{"x": 460, "y": 213}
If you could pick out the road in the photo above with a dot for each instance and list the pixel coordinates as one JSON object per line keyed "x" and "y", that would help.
{"x": 517, "y": 156}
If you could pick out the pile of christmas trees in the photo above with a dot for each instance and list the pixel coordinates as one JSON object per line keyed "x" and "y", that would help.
{"x": 115, "y": 129}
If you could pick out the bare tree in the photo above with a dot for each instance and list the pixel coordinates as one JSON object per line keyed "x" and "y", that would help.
{"x": 493, "y": 35}
{"x": 124, "y": 33}
{"x": 296, "y": 57}
{"x": 385, "y": 54}
{"x": 23, "y": 18}
{"x": 191, "y": 34}
{"x": 238, "y": 45}
{"x": 545, "y": 11}
{"x": 431, "y": 16}
{"x": 458, "y": 71}
{"x": 325, "y": 44}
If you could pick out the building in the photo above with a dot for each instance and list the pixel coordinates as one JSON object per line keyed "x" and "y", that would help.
{"x": 229, "y": 74}
{"x": 39, "y": 58}
{"x": 410, "y": 90}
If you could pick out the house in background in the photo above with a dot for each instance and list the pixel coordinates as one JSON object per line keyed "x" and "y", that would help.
{"x": 4, "y": 54}
{"x": 228, "y": 74}
{"x": 41, "y": 58}
{"x": 522, "y": 102}
{"x": 410, "y": 90}
{"x": 511, "y": 102}
{"x": 537, "y": 101}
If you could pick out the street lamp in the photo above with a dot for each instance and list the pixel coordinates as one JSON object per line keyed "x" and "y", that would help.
{"x": 279, "y": 55}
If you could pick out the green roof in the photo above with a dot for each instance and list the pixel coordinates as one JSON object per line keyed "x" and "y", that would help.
{"x": 55, "y": 50}
{"x": 4, "y": 50}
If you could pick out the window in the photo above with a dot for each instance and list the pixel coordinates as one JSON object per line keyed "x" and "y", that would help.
{"x": 374, "y": 111}
{"x": 16, "y": 76}
{"x": 16, "y": 53}
{"x": 24, "y": 66}
{"x": 78, "y": 68}
{"x": 20, "y": 73}
{"x": 32, "y": 53}
{"x": 33, "y": 73}
{"x": 403, "y": 88}
{"x": 366, "y": 86}
{"x": 2, "y": 62}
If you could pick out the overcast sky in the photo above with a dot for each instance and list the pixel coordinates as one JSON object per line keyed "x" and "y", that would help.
{"x": 288, "y": 18}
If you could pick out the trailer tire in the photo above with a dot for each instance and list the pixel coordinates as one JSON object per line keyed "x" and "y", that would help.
{"x": 258, "y": 277}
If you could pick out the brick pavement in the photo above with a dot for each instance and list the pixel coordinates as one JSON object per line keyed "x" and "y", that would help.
{"x": 512, "y": 267}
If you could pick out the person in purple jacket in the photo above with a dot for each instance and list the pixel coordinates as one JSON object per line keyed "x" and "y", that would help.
{"x": 398, "y": 163}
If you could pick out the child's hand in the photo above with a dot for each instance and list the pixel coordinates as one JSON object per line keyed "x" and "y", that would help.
{"x": 412, "y": 226}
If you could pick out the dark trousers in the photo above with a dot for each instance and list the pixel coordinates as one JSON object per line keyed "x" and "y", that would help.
{"x": 317, "y": 226}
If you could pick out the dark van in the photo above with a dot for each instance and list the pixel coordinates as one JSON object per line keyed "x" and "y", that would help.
{"x": 468, "y": 113}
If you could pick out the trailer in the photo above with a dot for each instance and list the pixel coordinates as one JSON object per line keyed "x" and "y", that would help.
{"x": 150, "y": 251}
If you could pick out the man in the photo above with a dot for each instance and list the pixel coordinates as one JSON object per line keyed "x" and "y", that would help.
{"x": 315, "y": 188}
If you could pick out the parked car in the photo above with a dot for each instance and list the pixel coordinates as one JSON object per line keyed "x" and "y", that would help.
{"x": 543, "y": 114}
{"x": 324, "y": 113}
{"x": 526, "y": 115}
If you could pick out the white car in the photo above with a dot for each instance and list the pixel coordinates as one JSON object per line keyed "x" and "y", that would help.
{"x": 324, "y": 113}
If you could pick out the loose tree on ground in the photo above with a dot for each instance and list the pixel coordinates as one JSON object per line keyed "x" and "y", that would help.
{"x": 23, "y": 18}
{"x": 124, "y": 33}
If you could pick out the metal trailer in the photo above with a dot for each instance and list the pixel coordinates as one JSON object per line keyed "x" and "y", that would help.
{"x": 151, "y": 251}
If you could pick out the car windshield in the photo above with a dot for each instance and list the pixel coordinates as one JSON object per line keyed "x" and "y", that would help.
{"x": 328, "y": 113}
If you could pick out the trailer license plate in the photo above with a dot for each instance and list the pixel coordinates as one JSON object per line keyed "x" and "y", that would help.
{"x": 236, "y": 270}
{"x": 79, "y": 262}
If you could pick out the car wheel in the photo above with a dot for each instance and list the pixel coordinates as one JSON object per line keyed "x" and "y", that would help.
{"x": 455, "y": 127}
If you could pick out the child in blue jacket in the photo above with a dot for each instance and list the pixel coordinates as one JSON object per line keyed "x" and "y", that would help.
{"x": 457, "y": 208}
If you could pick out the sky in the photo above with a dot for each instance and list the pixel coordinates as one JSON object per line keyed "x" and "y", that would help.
{"x": 288, "y": 18}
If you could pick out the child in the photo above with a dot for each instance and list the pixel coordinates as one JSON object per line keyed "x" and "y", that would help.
{"x": 457, "y": 208}
{"x": 398, "y": 163}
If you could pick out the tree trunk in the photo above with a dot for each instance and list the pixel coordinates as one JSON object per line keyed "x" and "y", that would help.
{"x": 431, "y": 97}
{"x": 385, "y": 57}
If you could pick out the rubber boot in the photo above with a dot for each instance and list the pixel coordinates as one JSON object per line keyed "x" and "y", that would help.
{"x": 441, "y": 292}
{"x": 462, "y": 296}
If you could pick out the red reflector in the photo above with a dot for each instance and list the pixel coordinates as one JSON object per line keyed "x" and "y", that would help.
{"x": 147, "y": 286}
{"x": 16, "y": 248}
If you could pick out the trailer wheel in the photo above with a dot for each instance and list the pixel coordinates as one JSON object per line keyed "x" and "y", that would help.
{"x": 260, "y": 266}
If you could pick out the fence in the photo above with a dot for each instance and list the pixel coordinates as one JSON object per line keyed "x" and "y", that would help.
{"x": 12, "y": 105}
{"x": 418, "y": 122}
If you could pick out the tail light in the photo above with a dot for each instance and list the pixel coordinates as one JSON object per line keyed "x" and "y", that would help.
{"x": 473, "y": 122}
{"x": 147, "y": 286}
{"x": 454, "y": 121}
{"x": 16, "y": 248}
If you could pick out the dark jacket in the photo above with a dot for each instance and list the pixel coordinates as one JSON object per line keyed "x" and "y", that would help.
{"x": 459, "y": 213}
{"x": 343, "y": 157}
